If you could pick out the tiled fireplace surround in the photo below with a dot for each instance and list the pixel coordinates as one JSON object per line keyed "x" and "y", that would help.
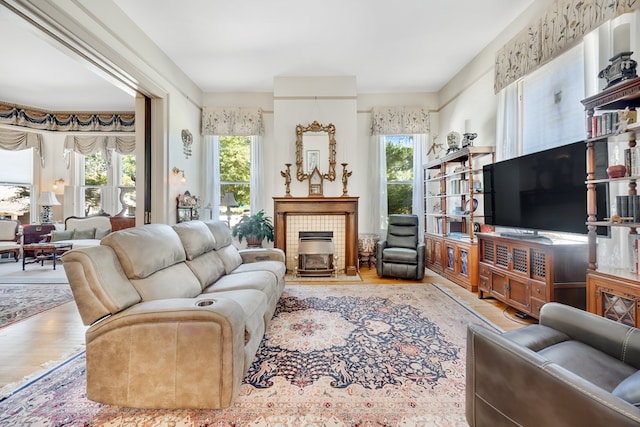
{"x": 336, "y": 214}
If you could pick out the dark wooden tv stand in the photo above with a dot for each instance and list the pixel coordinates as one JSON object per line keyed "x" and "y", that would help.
{"x": 527, "y": 273}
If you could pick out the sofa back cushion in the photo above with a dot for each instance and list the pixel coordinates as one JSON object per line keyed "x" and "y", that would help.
{"x": 221, "y": 233}
{"x": 8, "y": 230}
{"x": 195, "y": 237}
{"x": 208, "y": 268}
{"x": 96, "y": 221}
{"x": 230, "y": 258}
{"x": 145, "y": 250}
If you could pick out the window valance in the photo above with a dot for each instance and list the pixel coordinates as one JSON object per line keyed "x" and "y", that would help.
{"x": 85, "y": 122}
{"x": 561, "y": 26}
{"x": 14, "y": 140}
{"x": 399, "y": 120}
{"x": 232, "y": 121}
{"x": 104, "y": 144}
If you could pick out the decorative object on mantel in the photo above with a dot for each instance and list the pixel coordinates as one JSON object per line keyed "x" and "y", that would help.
{"x": 316, "y": 183}
{"x": 187, "y": 141}
{"x": 467, "y": 139}
{"x": 254, "y": 228}
{"x": 287, "y": 179}
{"x": 345, "y": 178}
{"x": 622, "y": 67}
{"x": 453, "y": 141}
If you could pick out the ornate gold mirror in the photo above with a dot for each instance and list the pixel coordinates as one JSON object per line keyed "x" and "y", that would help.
{"x": 316, "y": 148}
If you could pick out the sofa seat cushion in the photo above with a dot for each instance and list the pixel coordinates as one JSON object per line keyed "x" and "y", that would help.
{"x": 400, "y": 255}
{"x": 146, "y": 249}
{"x": 536, "y": 337}
{"x": 629, "y": 389}
{"x": 589, "y": 363}
{"x": 6, "y": 246}
{"x": 80, "y": 243}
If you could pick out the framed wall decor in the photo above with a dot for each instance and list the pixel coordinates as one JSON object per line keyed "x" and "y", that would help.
{"x": 313, "y": 160}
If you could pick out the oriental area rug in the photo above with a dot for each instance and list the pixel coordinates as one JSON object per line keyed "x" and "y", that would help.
{"x": 333, "y": 355}
{"x": 17, "y": 302}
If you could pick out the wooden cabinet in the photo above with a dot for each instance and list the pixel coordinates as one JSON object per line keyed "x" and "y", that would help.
{"x": 526, "y": 274}
{"x": 614, "y": 297}
{"x": 461, "y": 263}
{"x": 453, "y": 206}
{"x": 612, "y": 290}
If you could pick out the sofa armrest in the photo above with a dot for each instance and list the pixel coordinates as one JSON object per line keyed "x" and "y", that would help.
{"x": 168, "y": 353}
{"x": 615, "y": 339}
{"x": 261, "y": 254}
{"x": 508, "y": 384}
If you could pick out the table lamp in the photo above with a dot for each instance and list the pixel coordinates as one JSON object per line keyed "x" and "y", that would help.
{"x": 230, "y": 202}
{"x": 46, "y": 200}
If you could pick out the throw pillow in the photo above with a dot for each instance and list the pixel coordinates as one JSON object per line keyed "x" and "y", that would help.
{"x": 57, "y": 235}
{"x": 101, "y": 233}
{"x": 84, "y": 233}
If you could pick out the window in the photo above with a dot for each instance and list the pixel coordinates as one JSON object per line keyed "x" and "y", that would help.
{"x": 235, "y": 176}
{"x": 108, "y": 189}
{"x": 16, "y": 178}
{"x": 399, "y": 160}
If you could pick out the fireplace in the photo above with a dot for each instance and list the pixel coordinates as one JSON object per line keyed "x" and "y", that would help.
{"x": 346, "y": 241}
{"x": 315, "y": 253}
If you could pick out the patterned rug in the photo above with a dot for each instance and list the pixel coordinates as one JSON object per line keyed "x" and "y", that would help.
{"x": 17, "y": 302}
{"x": 335, "y": 355}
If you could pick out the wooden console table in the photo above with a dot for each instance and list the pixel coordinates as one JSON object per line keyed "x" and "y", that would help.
{"x": 347, "y": 206}
{"x": 43, "y": 252}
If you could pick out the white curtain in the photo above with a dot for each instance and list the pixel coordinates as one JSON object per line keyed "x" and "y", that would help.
{"x": 507, "y": 145}
{"x": 378, "y": 177}
{"x": 419, "y": 144}
{"x": 257, "y": 176}
{"x": 211, "y": 156}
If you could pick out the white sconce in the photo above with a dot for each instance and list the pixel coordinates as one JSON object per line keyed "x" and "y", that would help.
{"x": 177, "y": 172}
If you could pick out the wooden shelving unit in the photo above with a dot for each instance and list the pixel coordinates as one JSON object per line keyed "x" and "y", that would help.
{"x": 451, "y": 244}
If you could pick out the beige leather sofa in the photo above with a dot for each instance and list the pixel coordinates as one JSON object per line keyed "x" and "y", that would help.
{"x": 176, "y": 314}
{"x": 572, "y": 369}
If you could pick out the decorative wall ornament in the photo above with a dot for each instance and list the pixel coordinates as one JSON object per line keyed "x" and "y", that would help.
{"x": 187, "y": 142}
{"x": 232, "y": 121}
{"x": 399, "y": 120}
{"x": 59, "y": 121}
{"x": 562, "y": 26}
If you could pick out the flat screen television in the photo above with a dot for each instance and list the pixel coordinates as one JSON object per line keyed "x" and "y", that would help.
{"x": 544, "y": 191}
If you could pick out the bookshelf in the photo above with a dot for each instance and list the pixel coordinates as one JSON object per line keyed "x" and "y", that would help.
{"x": 452, "y": 205}
{"x": 612, "y": 291}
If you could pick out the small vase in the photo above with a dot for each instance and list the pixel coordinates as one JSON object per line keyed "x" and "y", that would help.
{"x": 616, "y": 171}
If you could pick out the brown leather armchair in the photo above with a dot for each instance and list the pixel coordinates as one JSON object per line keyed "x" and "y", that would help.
{"x": 572, "y": 369}
{"x": 402, "y": 254}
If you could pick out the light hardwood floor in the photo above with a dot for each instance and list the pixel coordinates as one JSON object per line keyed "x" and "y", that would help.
{"x": 29, "y": 347}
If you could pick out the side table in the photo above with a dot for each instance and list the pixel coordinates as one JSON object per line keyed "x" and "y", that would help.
{"x": 367, "y": 244}
{"x": 43, "y": 252}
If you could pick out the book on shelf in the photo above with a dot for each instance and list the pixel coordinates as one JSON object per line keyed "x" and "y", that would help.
{"x": 609, "y": 122}
{"x": 628, "y": 207}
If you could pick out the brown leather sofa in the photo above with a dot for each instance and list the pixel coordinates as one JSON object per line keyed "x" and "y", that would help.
{"x": 572, "y": 369}
{"x": 175, "y": 314}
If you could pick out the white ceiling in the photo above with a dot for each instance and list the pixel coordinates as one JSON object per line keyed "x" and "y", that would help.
{"x": 240, "y": 46}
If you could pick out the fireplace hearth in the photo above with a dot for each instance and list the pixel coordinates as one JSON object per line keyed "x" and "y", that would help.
{"x": 316, "y": 253}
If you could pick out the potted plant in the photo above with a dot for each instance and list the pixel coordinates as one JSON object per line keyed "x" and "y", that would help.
{"x": 254, "y": 228}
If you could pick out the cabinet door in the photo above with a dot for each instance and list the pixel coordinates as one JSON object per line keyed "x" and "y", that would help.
{"x": 451, "y": 266}
{"x": 613, "y": 299}
{"x": 518, "y": 294}
{"x": 463, "y": 261}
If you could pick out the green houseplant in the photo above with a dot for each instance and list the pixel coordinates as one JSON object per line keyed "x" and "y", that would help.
{"x": 254, "y": 228}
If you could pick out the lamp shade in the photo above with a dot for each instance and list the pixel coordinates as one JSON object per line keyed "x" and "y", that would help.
{"x": 229, "y": 201}
{"x": 48, "y": 198}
